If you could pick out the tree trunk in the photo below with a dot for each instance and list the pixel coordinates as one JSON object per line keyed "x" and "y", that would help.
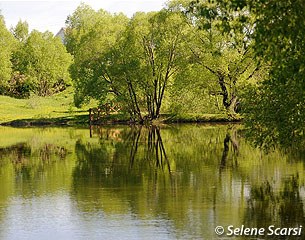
{"x": 231, "y": 109}
{"x": 229, "y": 104}
{"x": 224, "y": 91}
{"x": 134, "y": 103}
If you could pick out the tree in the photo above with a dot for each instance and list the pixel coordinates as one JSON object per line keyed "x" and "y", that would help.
{"x": 129, "y": 62}
{"x": 90, "y": 35}
{"x": 226, "y": 55}
{"x": 44, "y": 61}
{"x": 7, "y": 44}
{"x": 159, "y": 41}
{"x": 21, "y": 31}
{"x": 78, "y": 24}
{"x": 276, "y": 107}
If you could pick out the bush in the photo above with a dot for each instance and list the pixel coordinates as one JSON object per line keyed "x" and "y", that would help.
{"x": 18, "y": 86}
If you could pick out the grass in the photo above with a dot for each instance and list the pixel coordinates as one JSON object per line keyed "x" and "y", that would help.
{"x": 60, "y": 110}
{"x": 58, "y": 107}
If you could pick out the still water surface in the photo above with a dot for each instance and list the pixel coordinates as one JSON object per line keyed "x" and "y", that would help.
{"x": 174, "y": 182}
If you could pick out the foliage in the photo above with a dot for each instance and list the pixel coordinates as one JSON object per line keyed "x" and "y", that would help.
{"x": 271, "y": 32}
{"x": 35, "y": 62}
{"x": 7, "y": 45}
{"x": 89, "y": 36}
{"x": 21, "y": 31}
{"x": 19, "y": 86}
{"x": 44, "y": 61}
{"x": 79, "y": 23}
{"x": 157, "y": 42}
{"x": 192, "y": 57}
{"x": 129, "y": 63}
{"x": 276, "y": 108}
{"x": 193, "y": 92}
{"x": 224, "y": 61}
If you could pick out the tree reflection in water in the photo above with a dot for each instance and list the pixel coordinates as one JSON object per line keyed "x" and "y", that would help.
{"x": 155, "y": 148}
{"x": 231, "y": 137}
{"x": 281, "y": 207}
{"x": 19, "y": 155}
{"x": 126, "y": 164}
{"x": 193, "y": 177}
{"x": 268, "y": 137}
{"x": 278, "y": 202}
{"x": 29, "y": 161}
{"x": 141, "y": 143}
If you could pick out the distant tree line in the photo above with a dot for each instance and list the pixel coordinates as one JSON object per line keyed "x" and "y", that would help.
{"x": 32, "y": 62}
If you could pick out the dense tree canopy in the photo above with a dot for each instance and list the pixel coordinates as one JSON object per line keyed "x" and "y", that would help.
{"x": 45, "y": 62}
{"x": 158, "y": 42}
{"x": 90, "y": 35}
{"x": 271, "y": 34}
{"x": 276, "y": 107}
{"x": 227, "y": 55}
{"x": 182, "y": 52}
{"x": 31, "y": 62}
{"x": 131, "y": 62}
{"x": 282, "y": 44}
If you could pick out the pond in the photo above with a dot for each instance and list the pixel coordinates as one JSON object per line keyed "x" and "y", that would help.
{"x": 167, "y": 182}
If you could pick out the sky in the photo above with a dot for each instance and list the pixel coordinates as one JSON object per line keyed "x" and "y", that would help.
{"x": 51, "y": 15}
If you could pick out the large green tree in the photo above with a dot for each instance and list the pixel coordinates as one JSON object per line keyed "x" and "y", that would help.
{"x": 90, "y": 35}
{"x": 227, "y": 56}
{"x": 129, "y": 61}
{"x": 159, "y": 45}
{"x": 276, "y": 108}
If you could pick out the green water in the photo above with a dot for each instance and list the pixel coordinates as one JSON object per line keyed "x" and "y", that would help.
{"x": 173, "y": 182}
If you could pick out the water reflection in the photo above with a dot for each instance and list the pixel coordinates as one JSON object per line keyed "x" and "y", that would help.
{"x": 281, "y": 206}
{"x": 28, "y": 162}
{"x": 275, "y": 134}
{"x": 231, "y": 138}
{"x": 165, "y": 182}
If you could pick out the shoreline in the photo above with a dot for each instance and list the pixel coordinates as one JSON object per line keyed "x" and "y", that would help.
{"x": 83, "y": 120}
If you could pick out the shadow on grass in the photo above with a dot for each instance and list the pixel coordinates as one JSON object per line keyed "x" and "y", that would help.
{"x": 58, "y": 121}
{"x": 72, "y": 120}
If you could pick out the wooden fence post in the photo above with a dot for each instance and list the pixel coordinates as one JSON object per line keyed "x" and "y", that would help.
{"x": 90, "y": 116}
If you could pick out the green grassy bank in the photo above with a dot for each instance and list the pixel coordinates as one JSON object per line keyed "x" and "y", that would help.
{"x": 60, "y": 110}
{"x": 56, "y": 109}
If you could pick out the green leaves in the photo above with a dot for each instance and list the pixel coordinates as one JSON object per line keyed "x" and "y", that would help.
{"x": 279, "y": 40}
{"x": 44, "y": 61}
{"x": 91, "y": 37}
{"x": 7, "y": 44}
{"x": 21, "y": 31}
{"x": 131, "y": 60}
{"x": 35, "y": 62}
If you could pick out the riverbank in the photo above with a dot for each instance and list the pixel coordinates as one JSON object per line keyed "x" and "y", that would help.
{"x": 198, "y": 118}
{"x": 81, "y": 120}
{"x": 59, "y": 110}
